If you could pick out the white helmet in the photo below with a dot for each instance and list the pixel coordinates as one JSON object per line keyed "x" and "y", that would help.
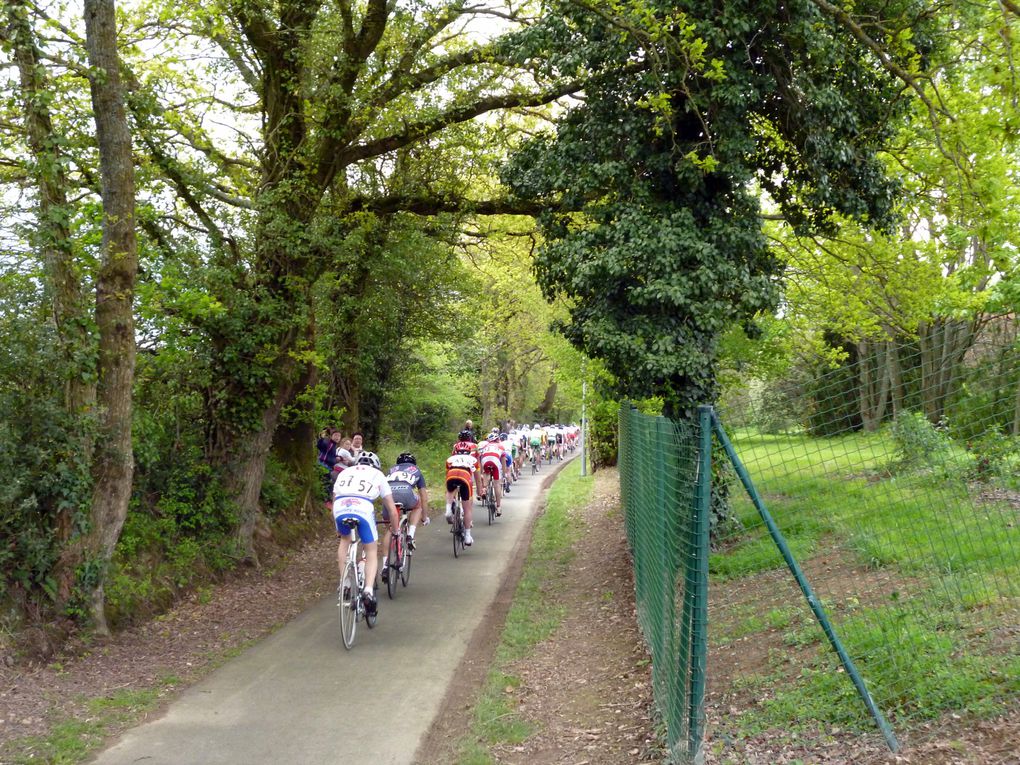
{"x": 369, "y": 458}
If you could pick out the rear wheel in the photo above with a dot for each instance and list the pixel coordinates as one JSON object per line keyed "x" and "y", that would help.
{"x": 347, "y": 603}
{"x": 405, "y": 567}
{"x": 392, "y": 562}
{"x": 458, "y": 529}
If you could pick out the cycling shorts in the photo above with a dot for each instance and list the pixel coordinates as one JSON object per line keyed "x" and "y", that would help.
{"x": 361, "y": 510}
{"x": 536, "y": 442}
{"x": 508, "y": 459}
{"x": 492, "y": 466}
{"x": 459, "y": 484}
{"x": 403, "y": 494}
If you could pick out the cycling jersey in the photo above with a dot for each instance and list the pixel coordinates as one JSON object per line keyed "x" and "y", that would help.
{"x": 490, "y": 456}
{"x": 460, "y": 474}
{"x": 354, "y": 492}
{"x": 406, "y": 481}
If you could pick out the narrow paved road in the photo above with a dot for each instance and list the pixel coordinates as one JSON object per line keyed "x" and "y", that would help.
{"x": 300, "y": 697}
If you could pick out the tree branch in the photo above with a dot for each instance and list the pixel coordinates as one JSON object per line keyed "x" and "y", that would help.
{"x": 422, "y": 205}
{"x": 881, "y": 53}
{"x": 454, "y": 115}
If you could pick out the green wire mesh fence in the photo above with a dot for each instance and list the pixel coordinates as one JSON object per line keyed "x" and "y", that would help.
{"x": 658, "y": 475}
{"x": 894, "y": 477}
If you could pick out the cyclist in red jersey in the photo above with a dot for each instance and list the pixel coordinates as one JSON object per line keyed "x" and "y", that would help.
{"x": 463, "y": 475}
{"x": 492, "y": 460}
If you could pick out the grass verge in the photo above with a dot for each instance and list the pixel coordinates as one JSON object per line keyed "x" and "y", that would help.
{"x": 940, "y": 562}
{"x": 532, "y": 618}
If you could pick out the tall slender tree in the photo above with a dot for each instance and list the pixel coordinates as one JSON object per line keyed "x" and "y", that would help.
{"x": 113, "y": 463}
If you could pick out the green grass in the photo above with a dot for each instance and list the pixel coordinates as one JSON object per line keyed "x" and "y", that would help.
{"x": 71, "y": 741}
{"x": 949, "y": 567}
{"x": 533, "y": 617}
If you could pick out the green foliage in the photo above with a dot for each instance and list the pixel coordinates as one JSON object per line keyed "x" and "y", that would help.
{"x": 996, "y": 457}
{"x": 603, "y": 436}
{"x": 45, "y": 470}
{"x": 919, "y": 443}
{"x": 668, "y": 252}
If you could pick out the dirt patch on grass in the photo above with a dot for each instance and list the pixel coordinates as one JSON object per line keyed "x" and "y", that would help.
{"x": 588, "y": 689}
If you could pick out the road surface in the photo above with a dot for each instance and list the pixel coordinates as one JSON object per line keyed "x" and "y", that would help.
{"x": 300, "y": 697}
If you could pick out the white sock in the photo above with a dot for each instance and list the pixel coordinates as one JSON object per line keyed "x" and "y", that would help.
{"x": 369, "y": 591}
{"x": 410, "y": 531}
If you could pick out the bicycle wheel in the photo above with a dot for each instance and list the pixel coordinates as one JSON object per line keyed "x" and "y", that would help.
{"x": 347, "y": 603}
{"x": 490, "y": 501}
{"x": 391, "y": 562}
{"x": 405, "y": 566}
{"x": 458, "y": 529}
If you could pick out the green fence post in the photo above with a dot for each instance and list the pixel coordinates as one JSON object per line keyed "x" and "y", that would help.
{"x": 699, "y": 615}
{"x": 812, "y": 600}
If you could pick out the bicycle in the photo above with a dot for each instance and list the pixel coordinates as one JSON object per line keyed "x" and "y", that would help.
{"x": 534, "y": 460}
{"x": 352, "y": 588}
{"x": 397, "y": 563}
{"x": 458, "y": 529}
{"x": 490, "y": 500}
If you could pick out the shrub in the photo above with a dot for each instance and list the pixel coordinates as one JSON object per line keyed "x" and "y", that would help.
{"x": 918, "y": 442}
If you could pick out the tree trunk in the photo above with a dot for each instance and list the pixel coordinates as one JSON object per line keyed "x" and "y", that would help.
{"x": 247, "y": 470}
{"x": 873, "y": 382}
{"x": 545, "y": 408}
{"x": 53, "y": 240}
{"x": 895, "y": 378}
{"x": 944, "y": 344}
{"x": 113, "y": 463}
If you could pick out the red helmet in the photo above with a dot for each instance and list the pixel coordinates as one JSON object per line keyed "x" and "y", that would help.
{"x": 463, "y": 447}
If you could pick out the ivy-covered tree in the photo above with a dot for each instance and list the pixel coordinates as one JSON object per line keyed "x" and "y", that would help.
{"x": 697, "y": 111}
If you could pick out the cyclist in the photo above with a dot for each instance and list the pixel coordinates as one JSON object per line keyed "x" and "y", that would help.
{"x": 509, "y": 456}
{"x": 408, "y": 486}
{"x": 463, "y": 477}
{"x": 558, "y": 437}
{"x": 354, "y": 494}
{"x": 492, "y": 460}
{"x": 535, "y": 438}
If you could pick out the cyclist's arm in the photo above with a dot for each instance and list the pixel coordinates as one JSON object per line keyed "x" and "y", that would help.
{"x": 423, "y": 495}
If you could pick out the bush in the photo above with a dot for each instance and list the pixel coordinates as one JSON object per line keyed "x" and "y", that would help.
{"x": 995, "y": 457}
{"x": 918, "y": 442}
{"x": 603, "y": 433}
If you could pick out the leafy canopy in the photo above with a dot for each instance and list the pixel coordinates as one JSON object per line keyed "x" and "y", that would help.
{"x": 654, "y": 228}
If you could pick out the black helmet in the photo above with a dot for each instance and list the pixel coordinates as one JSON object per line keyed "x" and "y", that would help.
{"x": 406, "y": 458}
{"x": 465, "y": 435}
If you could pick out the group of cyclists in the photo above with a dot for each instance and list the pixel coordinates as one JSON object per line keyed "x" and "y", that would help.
{"x": 473, "y": 465}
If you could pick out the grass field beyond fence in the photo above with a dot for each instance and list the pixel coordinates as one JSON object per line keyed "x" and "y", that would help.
{"x": 905, "y": 525}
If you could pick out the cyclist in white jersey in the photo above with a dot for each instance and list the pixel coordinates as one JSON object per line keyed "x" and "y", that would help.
{"x": 354, "y": 495}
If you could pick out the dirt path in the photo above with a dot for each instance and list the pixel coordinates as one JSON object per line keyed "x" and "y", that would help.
{"x": 587, "y": 688}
